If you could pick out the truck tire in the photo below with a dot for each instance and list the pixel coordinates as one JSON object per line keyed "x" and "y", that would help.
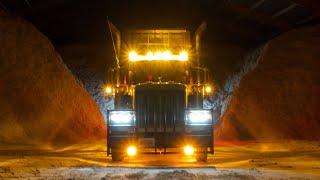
{"x": 202, "y": 156}
{"x": 117, "y": 155}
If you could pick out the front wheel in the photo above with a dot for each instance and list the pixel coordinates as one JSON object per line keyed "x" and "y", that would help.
{"x": 202, "y": 156}
{"x": 117, "y": 155}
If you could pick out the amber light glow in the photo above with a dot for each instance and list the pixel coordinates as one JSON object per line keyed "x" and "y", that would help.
{"x": 132, "y": 150}
{"x": 208, "y": 89}
{"x": 108, "y": 90}
{"x": 188, "y": 150}
{"x": 159, "y": 55}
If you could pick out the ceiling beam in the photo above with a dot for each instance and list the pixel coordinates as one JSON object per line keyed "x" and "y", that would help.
{"x": 3, "y": 6}
{"x": 313, "y": 5}
{"x": 28, "y": 3}
{"x": 284, "y": 10}
{"x": 257, "y": 4}
{"x": 260, "y": 17}
{"x": 306, "y": 20}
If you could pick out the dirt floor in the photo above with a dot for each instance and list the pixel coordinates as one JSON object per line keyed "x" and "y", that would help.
{"x": 289, "y": 160}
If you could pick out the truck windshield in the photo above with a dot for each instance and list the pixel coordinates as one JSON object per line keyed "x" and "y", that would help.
{"x": 157, "y": 71}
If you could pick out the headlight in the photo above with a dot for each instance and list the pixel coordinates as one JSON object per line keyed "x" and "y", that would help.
{"x": 132, "y": 150}
{"x": 188, "y": 150}
{"x": 122, "y": 118}
{"x": 199, "y": 117}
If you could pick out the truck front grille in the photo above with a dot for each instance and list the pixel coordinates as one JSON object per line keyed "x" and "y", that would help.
{"x": 160, "y": 109}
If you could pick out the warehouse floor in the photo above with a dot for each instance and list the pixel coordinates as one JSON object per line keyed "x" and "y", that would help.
{"x": 294, "y": 159}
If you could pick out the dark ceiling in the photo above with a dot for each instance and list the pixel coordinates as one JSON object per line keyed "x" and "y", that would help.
{"x": 241, "y": 22}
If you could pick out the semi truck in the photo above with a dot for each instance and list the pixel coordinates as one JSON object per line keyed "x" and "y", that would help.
{"x": 158, "y": 86}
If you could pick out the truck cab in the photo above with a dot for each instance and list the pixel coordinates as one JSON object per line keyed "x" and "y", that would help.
{"x": 158, "y": 87}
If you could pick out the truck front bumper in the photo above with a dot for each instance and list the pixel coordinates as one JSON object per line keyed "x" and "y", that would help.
{"x": 199, "y": 138}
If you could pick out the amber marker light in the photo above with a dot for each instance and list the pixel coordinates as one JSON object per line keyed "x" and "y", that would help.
{"x": 133, "y": 56}
{"x": 208, "y": 89}
{"x": 159, "y": 55}
{"x": 183, "y": 56}
{"x": 108, "y": 90}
